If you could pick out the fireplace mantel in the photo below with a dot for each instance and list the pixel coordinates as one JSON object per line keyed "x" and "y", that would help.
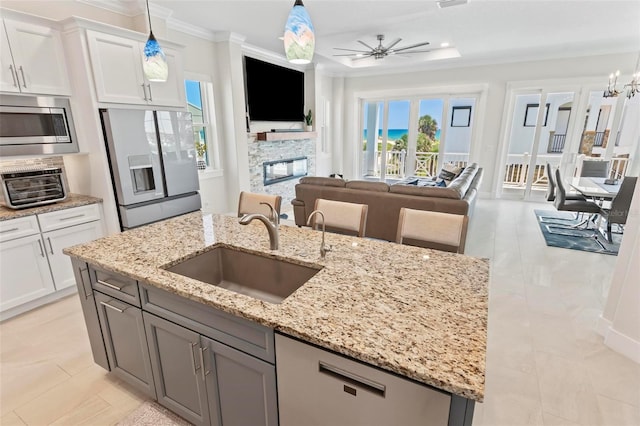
{"x": 282, "y": 136}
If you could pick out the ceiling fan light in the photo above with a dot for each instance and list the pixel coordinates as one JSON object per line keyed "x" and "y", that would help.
{"x": 299, "y": 37}
{"x": 448, "y": 3}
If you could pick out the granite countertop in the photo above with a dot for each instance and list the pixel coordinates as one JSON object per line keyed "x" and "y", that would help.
{"x": 72, "y": 200}
{"x": 416, "y": 312}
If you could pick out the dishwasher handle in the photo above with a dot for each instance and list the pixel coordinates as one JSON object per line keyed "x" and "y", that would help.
{"x": 352, "y": 379}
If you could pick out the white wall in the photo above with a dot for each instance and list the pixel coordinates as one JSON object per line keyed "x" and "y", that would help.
{"x": 459, "y": 138}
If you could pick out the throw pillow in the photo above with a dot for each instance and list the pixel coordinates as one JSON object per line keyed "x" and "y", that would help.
{"x": 449, "y": 172}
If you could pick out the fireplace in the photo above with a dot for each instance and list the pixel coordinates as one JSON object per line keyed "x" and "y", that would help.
{"x": 281, "y": 170}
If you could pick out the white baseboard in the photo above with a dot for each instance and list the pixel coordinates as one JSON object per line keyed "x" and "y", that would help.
{"x": 603, "y": 326}
{"x": 10, "y": 313}
{"x": 623, "y": 344}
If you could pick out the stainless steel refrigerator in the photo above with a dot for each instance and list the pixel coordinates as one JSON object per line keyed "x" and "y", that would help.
{"x": 153, "y": 164}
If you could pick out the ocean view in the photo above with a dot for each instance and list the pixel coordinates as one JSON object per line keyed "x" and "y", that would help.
{"x": 397, "y": 133}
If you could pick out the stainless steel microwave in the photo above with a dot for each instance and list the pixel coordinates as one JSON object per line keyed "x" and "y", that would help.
{"x": 36, "y": 125}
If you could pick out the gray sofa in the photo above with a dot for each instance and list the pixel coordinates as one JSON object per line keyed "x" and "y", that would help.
{"x": 385, "y": 201}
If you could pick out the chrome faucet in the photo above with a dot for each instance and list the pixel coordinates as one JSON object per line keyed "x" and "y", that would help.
{"x": 323, "y": 247}
{"x": 274, "y": 238}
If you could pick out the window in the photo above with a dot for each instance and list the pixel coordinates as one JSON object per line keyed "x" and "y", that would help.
{"x": 531, "y": 115}
{"x": 200, "y": 105}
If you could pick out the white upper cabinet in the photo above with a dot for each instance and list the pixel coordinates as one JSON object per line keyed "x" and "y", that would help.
{"x": 118, "y": 75}
{"x": 32, "y": 59}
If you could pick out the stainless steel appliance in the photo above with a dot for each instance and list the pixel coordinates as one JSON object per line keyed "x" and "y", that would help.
{"x": 32, "y": 187}
{"x": 153, "y": 164}
{"x": 36, "y": 125}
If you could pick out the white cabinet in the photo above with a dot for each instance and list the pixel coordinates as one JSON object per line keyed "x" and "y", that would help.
{"x": 118, "y": 75}
{"x": 32, "y": 59}
{"x": 32, "y": 264}
{"x": 55, "y": 241}
{"x": 24, "y": 271}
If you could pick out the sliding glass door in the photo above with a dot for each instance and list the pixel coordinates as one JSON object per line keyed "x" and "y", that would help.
{"x": 415, "y": 137}
{"x": 537, "y": 136}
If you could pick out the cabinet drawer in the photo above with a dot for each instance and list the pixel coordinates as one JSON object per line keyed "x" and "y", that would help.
{"x": 115, "y": 285}
{"x": 69, "y": 217}
{"x": 20, "y": 227}
{"x": 239, "y": 333}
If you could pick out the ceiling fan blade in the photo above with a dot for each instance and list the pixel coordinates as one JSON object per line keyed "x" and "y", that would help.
{"x": 414, "y": 51}
{"x": 365, "y": 45}
{"x": 351, "y": 50}
{"x": 393, "y": 44}
{"x": 410, "y": 47}
{"x": 353, "y": 55}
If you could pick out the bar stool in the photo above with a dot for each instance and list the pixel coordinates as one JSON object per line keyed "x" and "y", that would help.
{"x": 435, "y": 230}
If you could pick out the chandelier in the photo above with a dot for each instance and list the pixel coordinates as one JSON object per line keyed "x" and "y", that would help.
{"x": 611, "y": 91}
{"x": 633, "y": 86}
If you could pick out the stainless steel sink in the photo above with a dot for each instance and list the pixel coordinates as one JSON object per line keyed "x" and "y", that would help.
{"x": 265, "y": 278}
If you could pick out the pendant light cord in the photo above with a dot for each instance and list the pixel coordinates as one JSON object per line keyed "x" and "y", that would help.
{"x": 149, "y": 17}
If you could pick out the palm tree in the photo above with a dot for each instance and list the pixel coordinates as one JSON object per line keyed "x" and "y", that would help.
{"x": 428, "y": 126}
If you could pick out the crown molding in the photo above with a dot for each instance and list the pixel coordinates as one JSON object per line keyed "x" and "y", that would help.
{"x": 129, "y": 8}
{"x": 183, "y": 27}
{"x": 229, "y": 36}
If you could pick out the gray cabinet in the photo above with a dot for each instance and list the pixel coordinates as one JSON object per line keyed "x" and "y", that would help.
{"x": 125, "y": 340}
{"x": 90, "y": 312}
{"x": 177, "y": 369}
{"x": 246, "y": 386}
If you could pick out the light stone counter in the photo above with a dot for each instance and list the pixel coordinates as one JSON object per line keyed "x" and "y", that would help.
{"x": 72, "y": 200}
{"x": 419, "y": 313}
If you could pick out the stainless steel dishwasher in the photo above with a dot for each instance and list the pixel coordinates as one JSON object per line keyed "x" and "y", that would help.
{"x": 317, "y": 387}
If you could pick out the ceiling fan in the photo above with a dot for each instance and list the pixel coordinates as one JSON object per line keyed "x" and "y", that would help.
{"x": 381, "y": 51}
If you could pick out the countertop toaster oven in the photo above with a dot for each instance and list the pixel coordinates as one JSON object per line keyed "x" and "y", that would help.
{"x": 32, "y": 187}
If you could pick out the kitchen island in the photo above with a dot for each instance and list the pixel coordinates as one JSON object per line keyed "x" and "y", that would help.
{"x": 420, "y": 314}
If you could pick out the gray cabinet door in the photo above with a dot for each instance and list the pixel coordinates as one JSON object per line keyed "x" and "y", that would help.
{"x": 246, "y": 386}
{"x": 88, "y": 304}
{"x": 125, "y": 340}
{"x": 177, "y": 368}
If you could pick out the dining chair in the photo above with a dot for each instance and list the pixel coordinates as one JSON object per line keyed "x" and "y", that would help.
{"x": 619, "y": 210}
{"x": 551, "y": 188}
{"x": 250, "y": 203}
{"x": 595, "y": 168}
{"x": 562, "y": 203}
{"x": 435, "y": 230}
{"x": 341, "y": 217}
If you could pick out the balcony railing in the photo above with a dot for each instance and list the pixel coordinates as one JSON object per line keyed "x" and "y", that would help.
{"x": 556, "y": 143}
{"x": 599, "y": 139}
{"x": 426, "y": 163}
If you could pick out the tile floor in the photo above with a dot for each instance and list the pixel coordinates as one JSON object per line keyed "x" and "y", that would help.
{"x": 545, "y": 364}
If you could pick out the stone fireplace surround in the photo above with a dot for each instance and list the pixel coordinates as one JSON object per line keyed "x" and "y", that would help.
{"x": 264, "y": 151}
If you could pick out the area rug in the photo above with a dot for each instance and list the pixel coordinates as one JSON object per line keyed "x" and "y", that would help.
{"x": 553, "y": 226}
{"x": 152, "y": 414}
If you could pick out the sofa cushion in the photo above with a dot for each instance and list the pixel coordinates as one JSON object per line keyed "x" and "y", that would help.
{"x": 368, "y": 186}
{"x": 448, "y": 173}
{"x": 426, "y": 191}
{"x": 323, "y": 181}
{"x": 463, "y": 182}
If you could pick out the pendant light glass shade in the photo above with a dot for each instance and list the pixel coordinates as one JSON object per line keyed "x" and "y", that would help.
{"x": 154, "y": 63}
{"x": 299, "y": 37}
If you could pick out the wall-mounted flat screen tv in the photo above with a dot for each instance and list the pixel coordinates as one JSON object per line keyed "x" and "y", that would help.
{"x": 274, "y": 93}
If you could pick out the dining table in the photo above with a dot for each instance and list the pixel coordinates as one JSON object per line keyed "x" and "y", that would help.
{"x": 595, "y": 187}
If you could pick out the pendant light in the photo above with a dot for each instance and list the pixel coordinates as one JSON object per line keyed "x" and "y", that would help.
{"x": 154, "y": 62}
{"x": 299, "y": 37}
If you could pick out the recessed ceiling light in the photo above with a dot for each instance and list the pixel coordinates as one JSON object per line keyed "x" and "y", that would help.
{"x": 444, "y": 44}
{"x": 449, "y": 3}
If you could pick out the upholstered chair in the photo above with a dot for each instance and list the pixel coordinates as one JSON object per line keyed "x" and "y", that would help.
{"x": 341, "y": 217}
{"x": 250, "y": 203}
{"x": 551, "y": 188}
{"x": 619, "y": 210}
{"x": 595, "y": 168}
{"x": 436, "y": 230}
{"x": 562, "y": 203}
